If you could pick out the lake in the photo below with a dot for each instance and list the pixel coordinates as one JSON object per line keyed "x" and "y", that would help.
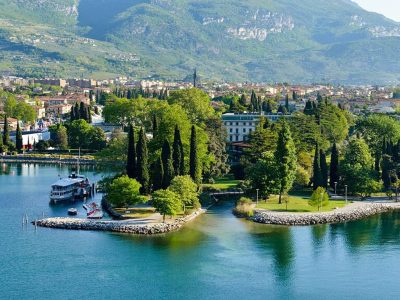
{"x": 215, "y": 257}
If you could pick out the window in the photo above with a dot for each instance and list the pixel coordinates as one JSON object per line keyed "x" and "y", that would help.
{"x": 237, "y": 130}
{"x": 231, "y": 130}
{"x": 237, "y": 123}
{"x": 244, "y": 130}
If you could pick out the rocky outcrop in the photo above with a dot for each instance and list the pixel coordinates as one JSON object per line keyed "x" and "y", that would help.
{"x": 352, "y": 212}
{"x": 117, "y": 226}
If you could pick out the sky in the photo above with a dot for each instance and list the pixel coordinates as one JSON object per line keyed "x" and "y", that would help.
{"x": 389, "y": 8}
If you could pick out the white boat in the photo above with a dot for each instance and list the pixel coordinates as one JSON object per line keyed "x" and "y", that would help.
{"x": 94, "y": 211}
{"x": 73, "y": 187}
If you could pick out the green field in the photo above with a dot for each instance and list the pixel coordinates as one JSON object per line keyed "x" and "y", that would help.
{"x": 225, "y": 183}
{"x": 297, "y": 204}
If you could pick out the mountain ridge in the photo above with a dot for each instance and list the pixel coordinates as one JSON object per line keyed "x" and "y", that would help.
{"x": 285, "y": 40}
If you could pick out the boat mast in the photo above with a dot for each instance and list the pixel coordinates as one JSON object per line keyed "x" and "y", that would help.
{"x": 79, "y": 158}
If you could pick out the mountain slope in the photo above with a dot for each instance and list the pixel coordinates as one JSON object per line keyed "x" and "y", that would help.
{"x": 258, "y": 40}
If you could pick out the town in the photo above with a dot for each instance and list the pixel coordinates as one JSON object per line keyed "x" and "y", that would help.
{"x": 51, "y": 100}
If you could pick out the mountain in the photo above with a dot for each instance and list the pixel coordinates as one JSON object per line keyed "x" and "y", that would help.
{"x": 257, "y": 40}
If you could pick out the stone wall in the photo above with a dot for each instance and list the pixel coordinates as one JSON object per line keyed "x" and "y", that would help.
{"x": 354, "y": 211}
{"x": 127, "y": 226}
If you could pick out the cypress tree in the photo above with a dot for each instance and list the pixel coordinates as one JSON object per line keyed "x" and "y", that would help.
{"x": 82, "y": 112}
{"x": 176, "y": 152}
{"x": 334, "y": 167}
{"x": 142, "y": 162}
{"x": 72, "y": 114}
{"x": 6, "y": 133}
{"x": 77, "y": 115}
{"x": 155, "y": 126}
{"x": 18, "y": 139}
{"x": 131, "y": 166}
{"x": 168, "y": 166}
{"x": 89, "y": 115}
{"x": 2, "y": 148}
{"x": 195, "y": 171}
{"x": 317, "y": 176}
{"x": 386, "y": 170}
{"x": 158, "y": 174}
{"x": 285, "y": 156}
{"x": 287, "y": 102}
{"x": 324, "y": 169}
{"x": 253, "y": 101}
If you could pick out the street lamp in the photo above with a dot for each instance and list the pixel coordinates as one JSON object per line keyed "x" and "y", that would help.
{"x": 345, "y": 192}
{"x": 257, "y": 195}
{"x": 335, "y": 187}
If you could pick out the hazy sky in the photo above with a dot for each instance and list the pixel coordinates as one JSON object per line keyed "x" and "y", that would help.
{"x": 389, "y": 8}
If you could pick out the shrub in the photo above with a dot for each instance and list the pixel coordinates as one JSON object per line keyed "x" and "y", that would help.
{"x": 244, "y": 208}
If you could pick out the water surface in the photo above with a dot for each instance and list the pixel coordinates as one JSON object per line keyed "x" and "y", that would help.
{"x": 215, "y": 257}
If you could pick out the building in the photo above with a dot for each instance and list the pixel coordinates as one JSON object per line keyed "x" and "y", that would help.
{"x": 58, "y": 110}
{"x": 30, "y": 138}
{"x": 82, "y": 83}
{"x": 60, "y": 100}
{"x": 48, "y": 81}
{"x": 240, "y": 125}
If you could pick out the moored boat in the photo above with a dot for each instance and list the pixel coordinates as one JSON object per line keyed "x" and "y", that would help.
{"x": 94, "y": 211}
{"x": 72, "y": 211}
{"x": 71, "y": 188}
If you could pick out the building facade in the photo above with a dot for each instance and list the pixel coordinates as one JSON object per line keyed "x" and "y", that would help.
{"x": 240, "y": 125}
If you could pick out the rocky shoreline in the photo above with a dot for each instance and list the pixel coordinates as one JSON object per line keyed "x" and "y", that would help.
{"x": 352, "y": 212}
{"x": 117, "y": 226}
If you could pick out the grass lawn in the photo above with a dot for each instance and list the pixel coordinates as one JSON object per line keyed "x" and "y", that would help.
{"x": 224, "y": 183}
{"x": 136, "y": 213}
{"x": 297, "y": 204}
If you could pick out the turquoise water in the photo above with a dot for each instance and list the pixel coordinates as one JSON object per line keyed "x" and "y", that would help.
{"x": 215, "y": 257}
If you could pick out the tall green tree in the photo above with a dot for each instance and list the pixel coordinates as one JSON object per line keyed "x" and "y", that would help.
{"x": 131, "y": 167}
{"x": 6, "y": 132}
{"x": 317, "y": 174}
{"x": 194, "y": 166}
{"x": 18, "y": 139}
{"x": 187, "y": 191}
{"x": 285, "y": 155}
{"x": 77, "y": 114}
{"x": 155, "y": 126}
{"x": 177, "y": 150}
{"x": 168, "y": 166}
{"x": 143, "y": 162}
{"x": 158, "y": 174}
{"x": 357, "y": 169}
{"x": 287, "y": 103}
{"x": 166, "y": 202}
{"x": 2, "y": 147}
{"x": 324, "y": 169}
{"x": 334, "y": 166}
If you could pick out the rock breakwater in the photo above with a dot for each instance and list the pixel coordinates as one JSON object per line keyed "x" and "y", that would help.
{"x": 127, "y": 226}
{"x": 352, "y": 212}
